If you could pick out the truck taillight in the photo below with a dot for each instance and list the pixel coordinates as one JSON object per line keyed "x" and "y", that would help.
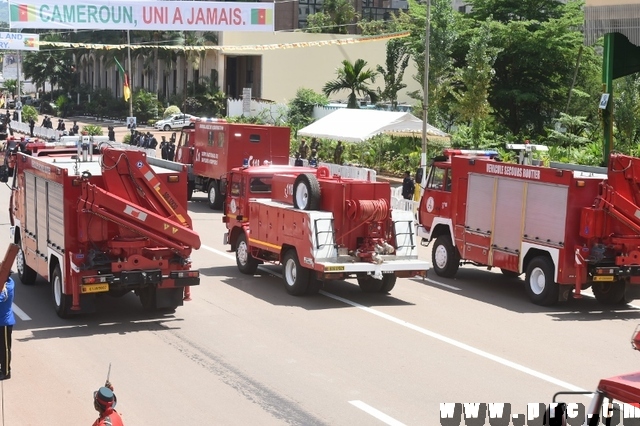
{"x": 173, "y": 178}
{"x": 184, "y": 274}
{"x": 97, "y": 279}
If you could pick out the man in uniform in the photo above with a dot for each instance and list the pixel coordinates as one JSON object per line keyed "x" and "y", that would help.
{"x": 104, "y": 401}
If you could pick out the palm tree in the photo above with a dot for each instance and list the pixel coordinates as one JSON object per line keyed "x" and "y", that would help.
{"x": 355, "y": 78}
{"x": 196, "y": 57}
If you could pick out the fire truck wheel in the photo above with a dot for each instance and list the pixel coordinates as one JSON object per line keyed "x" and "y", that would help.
{"x": 25, "y": 273}
{"x": 314, "y": 285}
{"x": 296, "y": 278}
{"x": 215, "y": 198}
{"x": 247, "y": 264}
{"x": 148, "y": 298}
{"x": 541, "y": 288}
{"x": 444, "y": 257}
{"x": 368, "y": 284}
{"x": 388, "y": 283}
{"x": 610, "y": 293}
{"x": 306, "y": 192}
{"x": 61, "y": 301}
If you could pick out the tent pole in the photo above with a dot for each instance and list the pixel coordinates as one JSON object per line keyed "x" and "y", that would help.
{"x": 425, "y": 104}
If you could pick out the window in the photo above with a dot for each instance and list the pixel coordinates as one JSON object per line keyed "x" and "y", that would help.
{"x": 260, "y": 185}
{"x": 436, "y": 179}
{"x": 220, "y": 139}
{"x": 254, "y": 138}
{"x": 210, "y": 140}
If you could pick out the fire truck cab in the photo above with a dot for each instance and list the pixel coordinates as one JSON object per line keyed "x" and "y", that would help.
{"x": 566, "y": 227}
{"x": 318, "y": 227}
{"x": 212, "y": 147}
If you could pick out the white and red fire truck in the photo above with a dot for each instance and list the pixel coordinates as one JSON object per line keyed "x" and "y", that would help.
{"x": 319, "y": 227}
{"x": 566, "y": 227}
{"x": 108, "y": 223}
{"x": 211, "y": 147}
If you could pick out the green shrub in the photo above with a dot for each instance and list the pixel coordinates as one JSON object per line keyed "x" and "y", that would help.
{"x": 28, "y": 113}
{"x": 126, "y": 138}
{"x": 151, "y": 122}
{"x": 92, "y": 130}
{"x": 171, "y": 109}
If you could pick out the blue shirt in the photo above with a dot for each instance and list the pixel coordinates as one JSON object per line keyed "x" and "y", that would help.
{"x": 6, "y": 301}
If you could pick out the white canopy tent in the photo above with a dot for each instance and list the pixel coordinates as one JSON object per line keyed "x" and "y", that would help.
{"x": 358, "y": 125}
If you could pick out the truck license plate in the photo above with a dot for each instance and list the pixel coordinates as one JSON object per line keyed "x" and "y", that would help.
{"x": 94, "y": 288}
{"x": 604, "y": 278}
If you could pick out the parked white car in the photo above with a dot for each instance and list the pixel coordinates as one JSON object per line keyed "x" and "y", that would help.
{"x": 175, "y": 121}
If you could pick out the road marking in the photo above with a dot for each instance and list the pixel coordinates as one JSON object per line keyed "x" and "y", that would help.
{"x": 221, "y": 253}
{"x": 459, "y": 345}
{"x": 376, "y": 413}
{"x": 450, "y": 287}
{"x": 20, "y": 313}
{"x": 448, "y": 340}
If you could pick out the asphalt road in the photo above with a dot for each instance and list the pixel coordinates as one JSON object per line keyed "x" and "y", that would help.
{"x": 244, "y": 352}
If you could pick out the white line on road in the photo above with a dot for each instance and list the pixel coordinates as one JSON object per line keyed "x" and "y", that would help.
{"x": 459, "y": 345}
{"x": 20, "y": 313}
{"x": 450, "y": 287}
{"x": 442, "y": 338}
{"x": 376, "y": 413}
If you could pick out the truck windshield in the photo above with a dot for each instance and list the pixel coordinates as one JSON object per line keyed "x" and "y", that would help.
{"x": 260, "y": 185}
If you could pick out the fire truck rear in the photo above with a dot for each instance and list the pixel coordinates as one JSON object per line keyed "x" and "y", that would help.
{"x": 108, "y": 223}
{"x": 567, "y": 227}
{"x": 319, "y": 227}
{"x": 212, "y": 147}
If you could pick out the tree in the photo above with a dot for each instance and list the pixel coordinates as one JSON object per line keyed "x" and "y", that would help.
{"x": 355, "y": 78}
{"x": 301, "y": 107}
{"x": 335, "y": 18}
{"x": 627, "y": 110}
{"x": 475, "y": 78}
{"x": 396, "y": 63}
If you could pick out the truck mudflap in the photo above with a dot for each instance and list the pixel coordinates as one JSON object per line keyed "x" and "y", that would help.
{"x": 400, "y": 267}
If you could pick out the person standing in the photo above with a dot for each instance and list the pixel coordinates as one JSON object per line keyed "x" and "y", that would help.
{"x": 337, "y": 154}
{"x": 164, "y": 145}
{"x": 32, "y": 124}
{"x": 408, "y": 187}
{"x": 171, "y": 150}
{"x": 111, "y": 134}
{"x": 104, "y": 401}
{"x": 303, "y": 149}
{"x": 315, "y": 145}
{"x": 7, "y": 321}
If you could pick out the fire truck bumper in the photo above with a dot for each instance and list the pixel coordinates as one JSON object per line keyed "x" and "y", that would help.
{"x": 400, "y": 267}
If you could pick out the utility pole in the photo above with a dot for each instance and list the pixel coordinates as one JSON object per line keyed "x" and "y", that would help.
{"x": 129, "y": 74}
{"x": 425, "y": 103}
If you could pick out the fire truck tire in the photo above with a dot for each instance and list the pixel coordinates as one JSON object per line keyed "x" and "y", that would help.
{"x": 25, "y": 273}
{"x": 215, "y": 198}
{"x": 612, "y": 293}
{"x": 445, "y": 257}
{"x": 61, "y": 301}
{"x": 306, "y": 192}
{"x": 388, "y": 283}
{"x": 314, "y": 285}
{"x": 296, "y": 278}
{"x": 541, "y": 288}
{"x": 247, "y": 264}
{"x": 148, "y": 298}
{"x": 368, "y": 284}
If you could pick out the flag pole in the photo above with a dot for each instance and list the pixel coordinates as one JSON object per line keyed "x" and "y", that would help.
{"x": 129, "y": 74}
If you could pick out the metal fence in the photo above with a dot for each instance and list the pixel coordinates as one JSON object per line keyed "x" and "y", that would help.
{"x": 38, "y": 131}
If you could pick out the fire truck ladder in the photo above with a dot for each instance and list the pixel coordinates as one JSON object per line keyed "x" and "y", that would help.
{"x": 330, "y": 230}
{"x": 411, "y": 242}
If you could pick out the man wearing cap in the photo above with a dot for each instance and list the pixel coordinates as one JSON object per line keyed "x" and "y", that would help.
{"x": 104, "y": 401}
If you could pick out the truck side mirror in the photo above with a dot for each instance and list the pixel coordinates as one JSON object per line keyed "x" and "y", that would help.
{"x": 419, "y": 176}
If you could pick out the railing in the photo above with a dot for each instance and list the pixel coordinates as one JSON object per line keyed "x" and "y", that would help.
{"x": 38, "y": 131}
{"x": 351, "y": 172}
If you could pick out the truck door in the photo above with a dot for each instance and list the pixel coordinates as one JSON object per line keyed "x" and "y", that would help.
{"x": 184, "y": 150}
{"x": 235, "y": 190}
{"x": 436, "y": 200}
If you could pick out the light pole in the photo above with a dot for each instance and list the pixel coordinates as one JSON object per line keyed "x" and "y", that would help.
{"x": 129, "y": 74}
{"x": 425, "y": 103}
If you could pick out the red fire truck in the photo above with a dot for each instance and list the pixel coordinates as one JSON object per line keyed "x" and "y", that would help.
{"x": 616, "y": 400}
{"x": 211, "y": 147}
{"x": 566, "y": 227}
{"x": 319, "y": 227}
{"x": 108, "y": 223}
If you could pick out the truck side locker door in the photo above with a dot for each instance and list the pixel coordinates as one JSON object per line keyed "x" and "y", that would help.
{"x": 235, "y": 189}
